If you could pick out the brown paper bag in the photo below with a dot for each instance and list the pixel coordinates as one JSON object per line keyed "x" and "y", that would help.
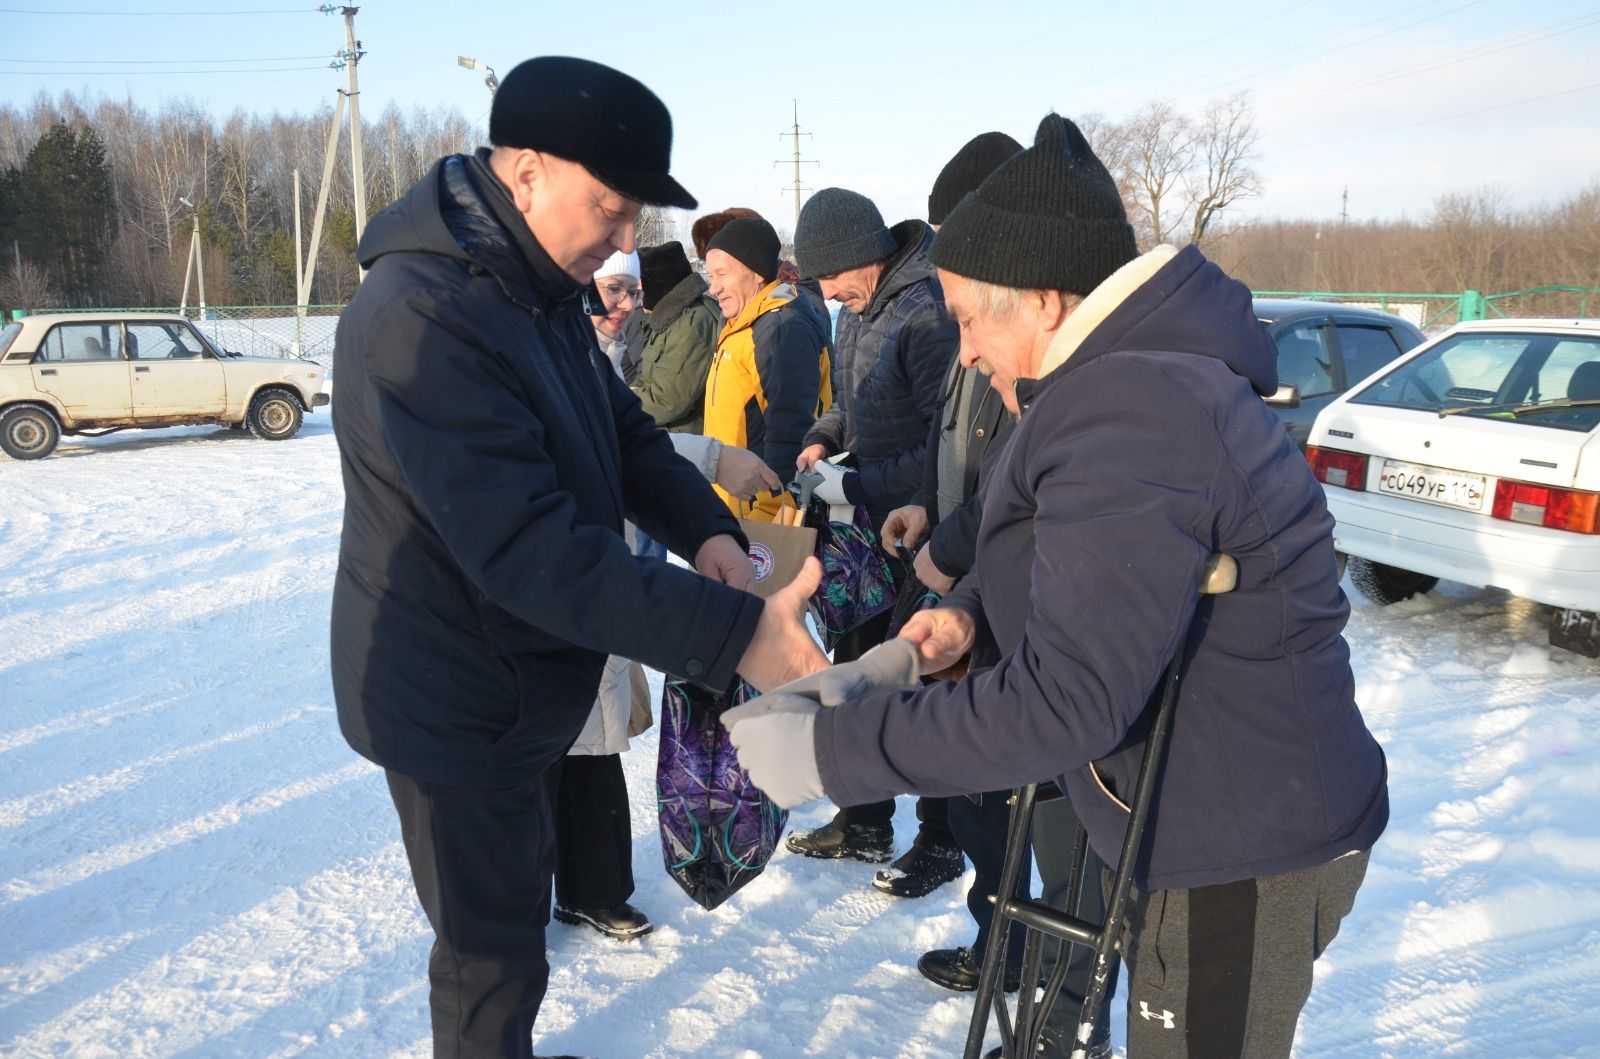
{"x": 778, "y": 552}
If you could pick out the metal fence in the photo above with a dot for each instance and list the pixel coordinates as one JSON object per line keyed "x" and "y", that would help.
{"x": 307, "y": 331}
{"x": 259, "y": 330}
{"x": 1434, "y": 312}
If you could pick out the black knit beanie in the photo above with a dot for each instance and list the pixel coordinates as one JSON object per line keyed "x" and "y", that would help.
{"x": 969, "y": 167}
{"x": 753, "y": 243}
{"x": 588, "y": 113}
{"x": 1049, "y": 218}
{"x": 661, "y": 268}
{"x": 839, "y": 230}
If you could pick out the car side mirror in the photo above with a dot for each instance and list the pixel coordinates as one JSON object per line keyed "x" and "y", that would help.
{"x": 1287, "y": 395}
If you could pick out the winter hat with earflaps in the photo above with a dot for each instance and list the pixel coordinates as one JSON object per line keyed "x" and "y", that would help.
{"x": 662, "y": 268}
{"x": 1049, "y": 218}
{"x": 968, "y": 168}
{"x": 588, "y": 113}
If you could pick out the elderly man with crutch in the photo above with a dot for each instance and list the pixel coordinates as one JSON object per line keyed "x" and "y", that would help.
{"x": 1142, "y": 449}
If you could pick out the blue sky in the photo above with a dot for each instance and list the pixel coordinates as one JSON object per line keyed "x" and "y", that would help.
{"x": 1399, "y": 101}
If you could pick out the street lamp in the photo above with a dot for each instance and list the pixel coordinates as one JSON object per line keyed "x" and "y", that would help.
{"x": 477, "y": 64}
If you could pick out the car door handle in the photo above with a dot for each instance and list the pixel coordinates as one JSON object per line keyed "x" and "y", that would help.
{"x": 141, "y": 369}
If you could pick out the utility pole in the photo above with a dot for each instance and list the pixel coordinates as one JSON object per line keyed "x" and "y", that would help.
{"x": 795, "y": 132}
{"x": 348, "y": 60}
{"x": 1344, "y": 207}
{"x": 195, "y": 264}
{"x": 299, "y": 271}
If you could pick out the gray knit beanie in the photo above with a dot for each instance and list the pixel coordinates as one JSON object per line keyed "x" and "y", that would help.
{"x": 1049, "y": 218}
{"x": 839, "y": 230}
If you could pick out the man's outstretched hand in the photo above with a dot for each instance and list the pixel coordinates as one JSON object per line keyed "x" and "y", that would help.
{"x": 783, "y": 648}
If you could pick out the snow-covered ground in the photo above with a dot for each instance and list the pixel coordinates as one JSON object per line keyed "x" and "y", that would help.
{"x": 193, "y": 863}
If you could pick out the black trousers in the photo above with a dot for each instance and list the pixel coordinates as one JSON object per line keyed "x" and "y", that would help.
{"x": 981, "y": 828}
{"x": 594, "y": 836}
{"x": 481, "y": 861}
{"x": 1222, "y": 972}
{"x": 931, "y": 812}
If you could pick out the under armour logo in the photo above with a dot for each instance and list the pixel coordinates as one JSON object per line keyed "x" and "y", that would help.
{"x": 1165, "y": 1016}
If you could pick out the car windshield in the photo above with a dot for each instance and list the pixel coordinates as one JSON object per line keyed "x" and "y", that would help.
{"x": 1542, "y": 379}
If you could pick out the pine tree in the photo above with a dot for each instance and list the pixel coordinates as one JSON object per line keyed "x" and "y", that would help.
{"x": 65, "y": 218}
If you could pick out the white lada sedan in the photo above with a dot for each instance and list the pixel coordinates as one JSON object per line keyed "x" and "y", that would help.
{"x": 1475, "y": 458}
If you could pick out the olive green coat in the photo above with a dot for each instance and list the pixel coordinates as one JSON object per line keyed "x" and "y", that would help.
{"x": 680, "y": 335}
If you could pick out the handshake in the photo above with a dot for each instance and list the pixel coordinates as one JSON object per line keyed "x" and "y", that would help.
{"x": 773, "y": 734}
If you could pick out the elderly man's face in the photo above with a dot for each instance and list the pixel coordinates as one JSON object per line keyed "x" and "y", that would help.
{"x": 1003, "y": 349}
{"x": 576, "y": 219}
{"x": 854, "y": 287}
{"x": 733, "y": 284}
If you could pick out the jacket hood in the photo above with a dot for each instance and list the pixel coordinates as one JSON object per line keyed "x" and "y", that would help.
{"x": 459, "y": 210}
{"x": 683, "y": 294}
{"x": 908, "y": 266}
{"x": 1173, "y": 301}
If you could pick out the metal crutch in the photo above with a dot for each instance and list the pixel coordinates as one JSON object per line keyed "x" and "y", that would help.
{"x": 1039, "y": 920}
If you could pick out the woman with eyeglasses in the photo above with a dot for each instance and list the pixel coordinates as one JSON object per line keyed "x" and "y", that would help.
{"x": 618, "y": 327}
{"x": 588, "y": 794}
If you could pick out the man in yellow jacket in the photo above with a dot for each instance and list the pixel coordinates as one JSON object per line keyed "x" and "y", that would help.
{"x": 769, "y": 377}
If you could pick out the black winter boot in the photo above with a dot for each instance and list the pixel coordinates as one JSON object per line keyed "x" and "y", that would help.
{"x": 922, "y": 869}
{"x": 873, "y": 843}
{"x": 623, "y": 921}
{"x": 958, "y": 969}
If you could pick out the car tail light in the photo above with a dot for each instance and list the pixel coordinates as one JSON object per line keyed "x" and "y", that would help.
{"x": 1332, "y": 467}
{"x": 1542, "y": 505}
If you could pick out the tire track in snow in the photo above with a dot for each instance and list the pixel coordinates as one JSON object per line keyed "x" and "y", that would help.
{"x": 224, "y": 816}
{"x": 88, "y": 788}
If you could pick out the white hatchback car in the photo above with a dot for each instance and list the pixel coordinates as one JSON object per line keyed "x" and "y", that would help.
{"x": 86, "y": 373}
{"x": 1475, "y": 458}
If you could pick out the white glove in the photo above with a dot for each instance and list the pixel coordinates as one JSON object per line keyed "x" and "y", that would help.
{"x": 773, "y": 736}
{"x": 831, "y": 489}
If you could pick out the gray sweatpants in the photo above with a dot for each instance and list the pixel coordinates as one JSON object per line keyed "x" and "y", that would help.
{"x": 1221, "y": 972}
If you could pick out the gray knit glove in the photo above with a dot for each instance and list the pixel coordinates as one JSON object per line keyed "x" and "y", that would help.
{"x": 774, "y": 734}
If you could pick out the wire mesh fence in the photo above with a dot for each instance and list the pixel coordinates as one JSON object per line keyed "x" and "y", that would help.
{"x": 1435, "y": 312}
{"x": 258, "y": 330}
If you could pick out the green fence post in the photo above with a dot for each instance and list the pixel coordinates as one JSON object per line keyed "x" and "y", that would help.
{"x": 1471, "y": 306}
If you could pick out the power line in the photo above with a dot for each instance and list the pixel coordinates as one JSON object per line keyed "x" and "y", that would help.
{"x": 1335, "y": 48}
{"x": 150, "y": 73}
{"x": 142, "y": 14}
{"x": 1481, "y": 51}
{"x": 164, "y": 62}
{"x": 1447, "y": 117}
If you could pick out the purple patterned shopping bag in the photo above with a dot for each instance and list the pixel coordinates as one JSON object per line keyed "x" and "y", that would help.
{"x": 718, "y": 830}
{"x": 857, "y": 584}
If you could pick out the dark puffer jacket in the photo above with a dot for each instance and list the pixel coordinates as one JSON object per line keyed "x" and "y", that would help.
{"x": 489, "y": 458}
{"x": 680, "y": 335}
{"x": 888, "y": 377}
{"x": 1145, "y": 451}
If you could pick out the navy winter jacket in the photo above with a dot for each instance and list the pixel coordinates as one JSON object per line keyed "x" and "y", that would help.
{"x": 1147, "y": 450}
{"x": 489, "y": 457}
{"x": 888, "y": 377}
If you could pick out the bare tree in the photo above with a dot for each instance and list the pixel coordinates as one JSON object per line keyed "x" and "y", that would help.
{"x": 1225, "y": 146}
{"x": 1161, "y": 145}
{"x": 25, "y": 285}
